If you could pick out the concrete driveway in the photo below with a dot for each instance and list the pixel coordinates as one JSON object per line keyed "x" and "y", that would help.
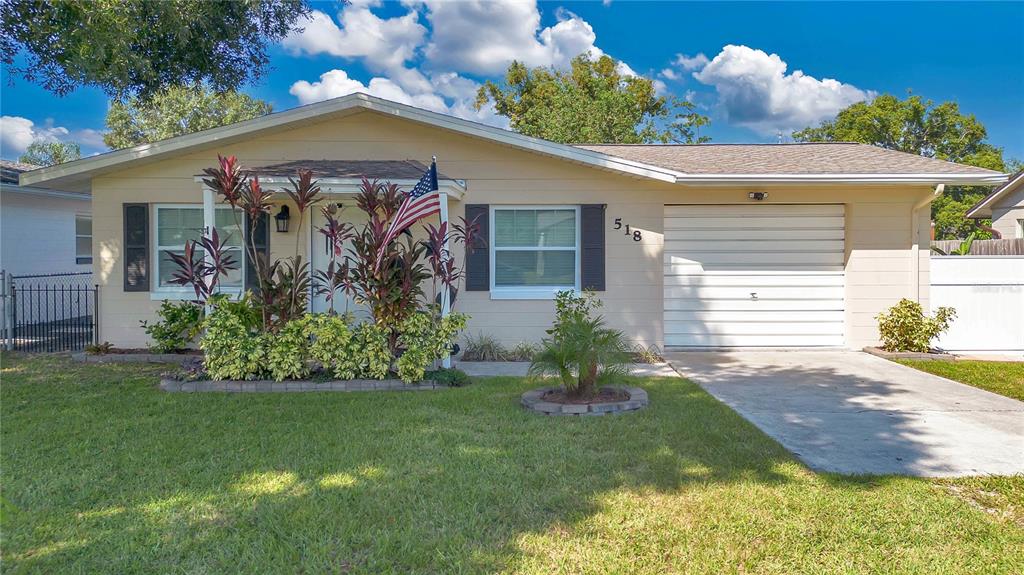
{"x": 854, "y": 413}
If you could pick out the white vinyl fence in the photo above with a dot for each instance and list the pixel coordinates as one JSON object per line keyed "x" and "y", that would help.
{"x": 988, "y": 295}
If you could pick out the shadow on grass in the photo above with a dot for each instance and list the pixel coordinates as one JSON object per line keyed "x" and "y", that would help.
{"x": 103, "y": 472}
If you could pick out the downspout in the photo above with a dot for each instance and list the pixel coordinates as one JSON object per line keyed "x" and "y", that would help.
{"x": 915, "y": 231}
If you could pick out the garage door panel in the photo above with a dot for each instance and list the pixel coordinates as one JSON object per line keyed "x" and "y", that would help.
{"x": 755, "y": 245}
{"x": 754, "y": 234}
{"x": 754, "y": 222}
{"x": 754, "y": 275}
{"x": 754, "y": 280}
{"x": 763, "y": 292}
{"x": 726, "y": 340}
{"x": 759, "y": 315}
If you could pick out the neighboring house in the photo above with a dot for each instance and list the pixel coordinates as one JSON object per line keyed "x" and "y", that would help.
{"x": 1005, "y": 205}
{"x": 705, "y": 245}
{"x": 45, "y": 230}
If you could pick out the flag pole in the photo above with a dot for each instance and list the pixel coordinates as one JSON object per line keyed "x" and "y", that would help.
{"x": 446, "y": 304}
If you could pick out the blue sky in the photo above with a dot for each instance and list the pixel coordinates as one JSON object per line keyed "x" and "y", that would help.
{"x": 754, "y": 68}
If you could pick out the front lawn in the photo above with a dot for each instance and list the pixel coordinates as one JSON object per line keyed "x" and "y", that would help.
{"x": 1002, "y": 377}
{"x": 104, "y": 473}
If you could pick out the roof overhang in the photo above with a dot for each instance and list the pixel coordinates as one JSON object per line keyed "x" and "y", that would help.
{"x": 983, "y": 209}
{"x": 923, "y": 179}
{"x": 78, "y": 172}
{"x": 12, "y": 188}
{"x": 454, "y": 188}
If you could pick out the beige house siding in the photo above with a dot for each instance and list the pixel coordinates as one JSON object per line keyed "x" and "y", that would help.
{"x": 1007, "y": 212}
{"x": 878, "y": 222}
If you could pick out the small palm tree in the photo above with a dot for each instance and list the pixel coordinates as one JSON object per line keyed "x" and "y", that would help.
{"x": 581, "y": 351}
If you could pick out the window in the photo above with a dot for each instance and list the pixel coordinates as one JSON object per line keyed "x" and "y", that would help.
{"x": 83, "y": 239}
{"x": 534, "y": 251}
{"x": 176, "y": 224}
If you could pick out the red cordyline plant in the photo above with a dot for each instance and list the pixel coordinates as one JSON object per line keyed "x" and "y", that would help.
{"x": 203, "y": 274}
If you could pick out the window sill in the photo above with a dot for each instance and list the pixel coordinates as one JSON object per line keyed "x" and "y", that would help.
{"x": 189, "y": 295}
{"x": 547, "y": 293}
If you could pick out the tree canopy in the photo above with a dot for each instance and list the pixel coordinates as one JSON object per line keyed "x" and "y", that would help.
{"x": 49, "y": 153}
{"x": 175, "y": 111}
{"x": 592, "y": 102}
{"x": 137, "y": 47}
{"x": 919, "y": 126}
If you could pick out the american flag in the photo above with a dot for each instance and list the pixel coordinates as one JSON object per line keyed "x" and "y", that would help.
{"x": 421, "y": 201}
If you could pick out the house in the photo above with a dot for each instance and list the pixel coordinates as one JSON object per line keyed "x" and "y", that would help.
{"x": 703, "y": 245}
{"x": 1005, "y": 206}
{"x": 45, "y": 230}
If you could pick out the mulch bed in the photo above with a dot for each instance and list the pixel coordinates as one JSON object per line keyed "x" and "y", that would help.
{"x": 603, "y": 395}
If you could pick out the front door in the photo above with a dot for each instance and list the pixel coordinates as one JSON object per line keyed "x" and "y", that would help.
{"x": 320, "y": 257}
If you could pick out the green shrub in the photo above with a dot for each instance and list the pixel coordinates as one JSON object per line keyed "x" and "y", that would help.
{"x": 180, "y": 323}
{"x": 289, "y": 350}
{"x": 449, "y": 377}
{"x": 484, "y": 347}
{"x": 425, "y": 340}
{"x": 330, "y": 344}
{"x": 905, "y": 327}
{"x": 370, "y": 352}
{"x": 650, "y": 354}
{"x": 233, "y": 350}
{"x": 581, "y": 351}
{"x": 99, "y": 348}
{"x": 523, "y": 351}
{"x": 244, "y": 308}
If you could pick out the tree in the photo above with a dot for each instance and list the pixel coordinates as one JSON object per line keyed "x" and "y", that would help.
{"x": 50, "y": 153}
{"x": 921, "y": 127}
{"x": 175, "y": 111}
{"x": 593, "y": 102}
{"x": 138, "y": 47}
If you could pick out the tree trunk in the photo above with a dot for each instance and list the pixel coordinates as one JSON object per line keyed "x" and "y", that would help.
{"x": 587, "y": 381}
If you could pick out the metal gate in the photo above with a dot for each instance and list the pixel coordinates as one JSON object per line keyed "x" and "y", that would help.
{"x": 51, "y": 312}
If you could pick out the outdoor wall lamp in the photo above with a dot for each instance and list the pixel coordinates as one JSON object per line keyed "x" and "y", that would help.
{"x": 281, "y": 219}
{"x": 757, "y": 196}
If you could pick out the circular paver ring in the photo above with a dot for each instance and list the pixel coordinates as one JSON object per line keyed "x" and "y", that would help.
{"x": 532, "y": 400}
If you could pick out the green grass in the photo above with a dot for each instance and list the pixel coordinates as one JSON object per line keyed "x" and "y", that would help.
{"x": 1002, "y": 377}
{"x": 102, "y": 472}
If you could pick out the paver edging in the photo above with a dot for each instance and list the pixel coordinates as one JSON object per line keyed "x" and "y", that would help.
{"x": 890, "y": 355}
{"x": 134, "y": 357}
{"x": 291, "y": 386}
{"x": 533, "y": 401}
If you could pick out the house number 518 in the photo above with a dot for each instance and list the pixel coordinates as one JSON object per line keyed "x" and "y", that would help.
{"x": 637, "y": 236}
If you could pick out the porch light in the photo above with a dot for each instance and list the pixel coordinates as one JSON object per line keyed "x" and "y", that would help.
{"x": 281, "y": 219}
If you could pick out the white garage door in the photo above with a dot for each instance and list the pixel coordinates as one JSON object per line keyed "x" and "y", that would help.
{"x": 754, "y": 275}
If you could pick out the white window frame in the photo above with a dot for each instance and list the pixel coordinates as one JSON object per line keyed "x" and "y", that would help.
{"x": 530, "y": 292}
{"x": 159, "y": 292}
{"x": 79, "y": 259}
{"x": 1020, "y": 228}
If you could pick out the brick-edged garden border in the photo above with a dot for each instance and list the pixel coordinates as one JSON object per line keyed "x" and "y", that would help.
{"x": 891, "y": 355}
{"x": 178, "y": 358}
{"x": 174, "y": 386}
{"x": 533, "y": 401}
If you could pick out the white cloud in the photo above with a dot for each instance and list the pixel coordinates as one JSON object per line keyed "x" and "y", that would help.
{"x": 17, "y": 133}
{"x": 755, "y": 91}
{"x": 482, "y": 37}
{"x": 669, "y": 74}
{"x": 383, "y": 44}
{"x": 690, "y": 63}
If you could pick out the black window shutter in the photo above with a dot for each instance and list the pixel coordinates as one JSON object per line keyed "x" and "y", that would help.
{"x": 478, "y": 263}
{"x": 136, "y": 247}
{"x": 261, "y": 241}
{"x": 592, "y": 254}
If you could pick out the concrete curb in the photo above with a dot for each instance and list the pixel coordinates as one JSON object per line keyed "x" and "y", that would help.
{"x": 890, "y": 355}
{"x": 178, "y": 358}
{"x": 263, "y": 386}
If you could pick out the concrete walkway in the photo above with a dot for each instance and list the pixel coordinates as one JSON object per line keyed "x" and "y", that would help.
{"x": 853, "y": 413}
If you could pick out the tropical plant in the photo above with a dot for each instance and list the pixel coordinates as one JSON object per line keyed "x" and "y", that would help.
{"x": 649, "y": 354}
{"x": 523, "y": 351}
{"x": 231, "y": 349}
{"x": 580, "y": 350}
{"x": 202, "y": 273}
{"x": 424, "y": 339}
{"x": 905, "y": 327}
{"x": 289, "y": 349}
{"x": 964, "y": 249}
{"x": 179, "y": 325}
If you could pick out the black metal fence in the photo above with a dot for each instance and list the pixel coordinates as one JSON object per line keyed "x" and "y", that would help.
{"x": 53, "y": 312}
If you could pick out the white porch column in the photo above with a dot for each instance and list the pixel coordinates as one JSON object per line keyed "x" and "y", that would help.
{"x": 446, "y": 304}
{"x": 209, "y": 219}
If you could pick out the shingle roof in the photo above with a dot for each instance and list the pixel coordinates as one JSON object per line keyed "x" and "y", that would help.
{"x": 803, "y": 158}
{"x": 9, "y": 171}
{"x": 371, "y": 169}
